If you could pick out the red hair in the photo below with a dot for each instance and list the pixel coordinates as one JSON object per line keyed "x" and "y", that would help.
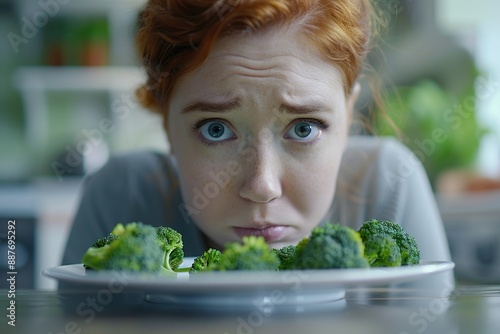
{"x": 176, "y": 36}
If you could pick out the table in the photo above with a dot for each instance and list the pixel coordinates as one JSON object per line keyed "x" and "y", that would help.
{"x": 466, "y": 309}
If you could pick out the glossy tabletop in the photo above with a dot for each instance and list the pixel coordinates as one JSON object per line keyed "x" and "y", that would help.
{"x": 466, "y": 309}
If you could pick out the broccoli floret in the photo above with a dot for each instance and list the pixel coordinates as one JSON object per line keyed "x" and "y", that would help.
{"x": 330, "y": 246}
{"x": 132, "y": 248}
{"x": 381, "y": 250}
{"x": 101, "y": 243}
{"x": 286, "y": 256}
{"x": 252, "y": 254}
{"x": 210, "y": 257}
{"x": 379, "y": 238}
{"x": 104, "y": 241}
{"x": 171, "y": 244}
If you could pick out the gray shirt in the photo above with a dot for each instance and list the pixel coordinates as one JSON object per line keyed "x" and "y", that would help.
{"x": 378, "y": 178}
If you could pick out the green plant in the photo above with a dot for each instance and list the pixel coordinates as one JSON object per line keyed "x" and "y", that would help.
{"x": 439, "y": 127}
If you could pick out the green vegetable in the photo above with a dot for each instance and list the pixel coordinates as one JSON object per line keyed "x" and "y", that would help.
{"x": 382, "y": 251}
{"x": 140, "y": 247}
{"x": 286, "y": 256}
{"x": 252, "y": 254}
{"x": 210, "y": 257}
{"x": 331, "y": 246}
{"x": 101, "y": 243}
{"x": 171, "y": 244}
{"x": 104, "y": 241}
{"x": 132, "y": 248}
{"x": 388, "y": 244}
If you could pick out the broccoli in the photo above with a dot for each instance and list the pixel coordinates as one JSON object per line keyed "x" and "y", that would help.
{"x": 100, "y": 243}
{"x": 388, "y": 244}
{"x": 132, "y": 248}
{"x": 171, "y": 244}
{"x": 382, "y": 251}
{"x": 330, "y": 246}
{"x": 210, "y": 257}
{"x": 104, "y": 241}
{"x": 286, "y": 256}
{"x": 252, "y": 254}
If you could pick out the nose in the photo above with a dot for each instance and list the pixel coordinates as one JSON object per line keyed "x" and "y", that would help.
{"x": 262, "y": 182}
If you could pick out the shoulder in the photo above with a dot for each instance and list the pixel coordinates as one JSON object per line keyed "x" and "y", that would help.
{"x": 382, "y": 157}
{"x": 132, "y": 185}
{"x": 375, "y": 177}
{"x": 132, "y": 168}
{"x": 135, "y": 186}
{"x": 133, "y": 162}
{"x": 383, "y": 149}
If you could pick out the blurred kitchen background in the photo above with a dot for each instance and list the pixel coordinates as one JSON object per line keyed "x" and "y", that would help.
{"x": 68, "y": 70}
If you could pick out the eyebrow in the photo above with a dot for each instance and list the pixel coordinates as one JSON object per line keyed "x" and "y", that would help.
{"x": 211, "y": 106}
{"x": 302, "y": 109}
{"x": 221, "y": 107}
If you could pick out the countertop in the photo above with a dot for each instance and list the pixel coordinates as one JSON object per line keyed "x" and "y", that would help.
{"x": 466, "y": 309}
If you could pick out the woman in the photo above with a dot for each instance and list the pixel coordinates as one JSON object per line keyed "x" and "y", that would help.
{"x": 257, "y": 99}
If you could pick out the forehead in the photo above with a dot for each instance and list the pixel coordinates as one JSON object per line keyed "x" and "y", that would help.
{"x": 266, "y": 43}
{"x": 277, "y": 58}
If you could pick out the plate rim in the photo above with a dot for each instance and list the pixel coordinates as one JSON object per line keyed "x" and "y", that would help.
{"x": 232, "y": 281}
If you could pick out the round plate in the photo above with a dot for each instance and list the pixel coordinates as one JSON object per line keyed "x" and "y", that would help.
{"x": 239, "y": 288}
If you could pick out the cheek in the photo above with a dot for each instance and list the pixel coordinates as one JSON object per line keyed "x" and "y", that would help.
{"x": 315, "y": 182}
{"x": 197, "y": 185}
{"x": 205, "y": 184}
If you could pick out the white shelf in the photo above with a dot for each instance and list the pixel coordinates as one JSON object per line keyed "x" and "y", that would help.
{"x": 35, "y": 82}
{"x": 78, "y": 78}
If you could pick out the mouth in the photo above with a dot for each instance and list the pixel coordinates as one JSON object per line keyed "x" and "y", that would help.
{"x": 270, "y": 233}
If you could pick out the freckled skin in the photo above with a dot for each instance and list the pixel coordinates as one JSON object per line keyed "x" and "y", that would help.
{"x": 279, "y": 179}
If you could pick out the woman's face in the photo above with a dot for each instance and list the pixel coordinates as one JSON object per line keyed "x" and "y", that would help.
{"x": 258, "y": 132}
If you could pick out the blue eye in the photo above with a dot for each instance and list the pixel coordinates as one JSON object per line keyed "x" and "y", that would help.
{"x": 215, "y": 131}
{"x": 304, "y": 131}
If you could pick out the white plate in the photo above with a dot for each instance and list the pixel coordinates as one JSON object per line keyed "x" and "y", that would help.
{"x": 237, "y": 288}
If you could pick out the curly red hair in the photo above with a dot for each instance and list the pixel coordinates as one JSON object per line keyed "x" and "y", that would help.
{"x": 176, "y": 36}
